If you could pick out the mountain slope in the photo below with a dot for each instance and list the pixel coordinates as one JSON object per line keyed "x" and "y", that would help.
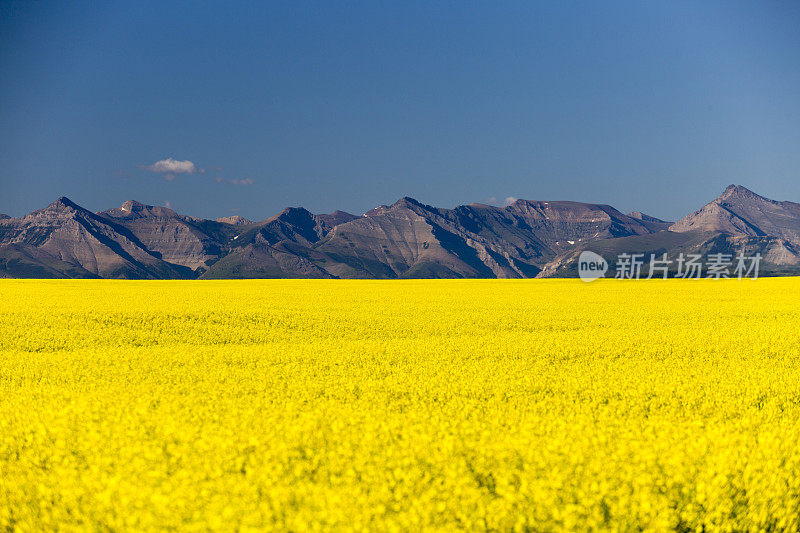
{"x": 411, "y": 239}
{"x": 177, "y": 239}
{"x": 25, "y": 261}
{"x": 653, "y": 223}
{"x": 334, "y": 219}
{"x": 407, "y": 239}
{"x": 778, "y": 256}
{"x": 234, "y": 220}
{"x": 275, "y": 248}
{"x": 417, "y": 240}
{"x": 739, "y": 211}
{"x": 68, "y": 233}
{"x": 739, "y": 221}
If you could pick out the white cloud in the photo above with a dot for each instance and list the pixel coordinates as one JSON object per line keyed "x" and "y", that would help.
{"x": 505, "y": 203}
{"x": 172, "y": 167}
{"x": 243, "y": 182}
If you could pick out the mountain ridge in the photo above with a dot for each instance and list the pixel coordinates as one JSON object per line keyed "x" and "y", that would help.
{"x": 65, "y": 232}
{"x": 740, "y": 211}
{"x": 406, "y": 239}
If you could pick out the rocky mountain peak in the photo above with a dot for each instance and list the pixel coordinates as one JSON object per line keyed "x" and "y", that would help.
{"x": 376, "y": 210}
{"x": 404, "y": 239}
{"x": 408, "y": 202}
{"x": 524, "y": 206}
{"x": 336, "y": 218}
{"x": 61, "y": 208}
{"x": 63, "y": 203}
{"x": 556, "y": 210}
{"x": 235, "y": 220}
{"x": 638, "y": 215}
{"x": 132, "y": 205}
{"x": 294, "y": 214}
{"x": 740, "y": 193}
{"x": 741, "y": 212}
{"x": 134, "y": 209}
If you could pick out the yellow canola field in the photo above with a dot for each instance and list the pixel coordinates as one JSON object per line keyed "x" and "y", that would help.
{"x": 400, "y": 405}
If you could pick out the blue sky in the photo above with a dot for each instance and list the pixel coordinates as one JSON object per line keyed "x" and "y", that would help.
{"x": 652, "y": 106}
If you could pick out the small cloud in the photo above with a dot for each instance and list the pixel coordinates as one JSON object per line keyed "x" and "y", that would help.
{"x": 504, "y": 203}
{"x": 171, "y": 168}
{"x": 243, "y": 182}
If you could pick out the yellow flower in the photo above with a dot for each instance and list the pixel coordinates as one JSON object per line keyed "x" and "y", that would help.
{"x": 409, "y": 405}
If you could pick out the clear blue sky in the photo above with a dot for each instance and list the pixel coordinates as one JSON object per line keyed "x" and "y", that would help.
{"x": 652, "y": 106}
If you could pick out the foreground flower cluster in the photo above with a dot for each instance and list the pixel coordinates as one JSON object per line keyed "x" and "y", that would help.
{"x": 406, "y": 405}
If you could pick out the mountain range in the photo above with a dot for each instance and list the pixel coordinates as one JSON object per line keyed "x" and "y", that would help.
{"x": 406, "y": 239}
